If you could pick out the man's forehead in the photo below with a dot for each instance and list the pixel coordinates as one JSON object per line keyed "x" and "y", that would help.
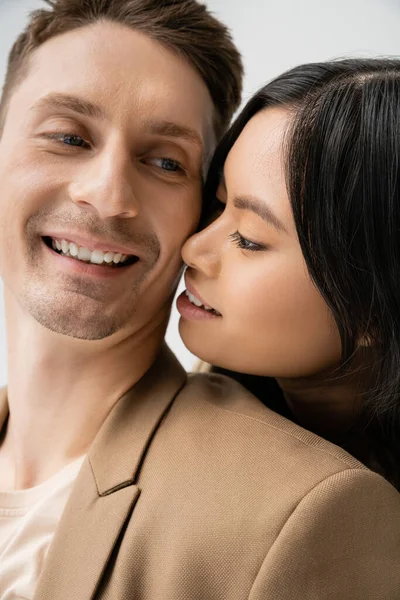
{"x": 170, "y": 98}
{"x": 136, "y": 65}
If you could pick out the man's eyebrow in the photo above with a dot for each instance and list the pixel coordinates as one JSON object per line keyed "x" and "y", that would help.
{"x": 259, "y": 207}
{"x": 73, "y": 103}
{"x": 89, "y": 109}
{"x": 170, "y": 129}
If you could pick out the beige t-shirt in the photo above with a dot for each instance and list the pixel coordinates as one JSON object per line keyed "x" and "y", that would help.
{"x": 28, "y": 520}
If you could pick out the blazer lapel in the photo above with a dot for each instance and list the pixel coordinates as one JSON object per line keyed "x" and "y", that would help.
{"x": 105, "y": 492}
{"x": 84, "y": 540}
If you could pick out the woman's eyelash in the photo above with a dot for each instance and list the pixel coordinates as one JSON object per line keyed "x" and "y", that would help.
{"x": 245, "y": 244}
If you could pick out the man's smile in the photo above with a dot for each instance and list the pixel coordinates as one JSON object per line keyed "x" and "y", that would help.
{"x": 84, "y": 254}
{"x": 89, "y": 257}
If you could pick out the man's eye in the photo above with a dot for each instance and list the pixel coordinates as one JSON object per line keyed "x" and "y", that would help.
{"x": 68, "y": 139}
{"x": 74, "y": 140}
{"x": 167, "y": 164}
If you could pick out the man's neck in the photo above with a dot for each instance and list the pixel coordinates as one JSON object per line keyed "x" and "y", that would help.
{"x": 60, "y": 391}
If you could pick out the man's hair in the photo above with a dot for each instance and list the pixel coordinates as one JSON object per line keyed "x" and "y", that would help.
{"x": 185, "y": 26}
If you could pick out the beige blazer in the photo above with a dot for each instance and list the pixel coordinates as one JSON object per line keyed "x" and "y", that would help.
{"x": 193, "y": 490}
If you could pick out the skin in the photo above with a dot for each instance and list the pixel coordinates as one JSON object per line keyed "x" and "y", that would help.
{"x": 125, "y": 181}
{"x": 273, "y": 321}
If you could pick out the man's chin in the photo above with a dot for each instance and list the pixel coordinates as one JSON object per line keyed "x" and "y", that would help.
{"x": 75, "y": 314}
{"x": 88, "y": 328}
{"x": 74, "y": 317}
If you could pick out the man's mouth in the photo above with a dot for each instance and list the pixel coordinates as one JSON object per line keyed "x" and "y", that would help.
{"x": 97, "y": 257}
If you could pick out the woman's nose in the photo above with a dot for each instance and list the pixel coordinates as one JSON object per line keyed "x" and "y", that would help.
{"x": 202, "y": 250}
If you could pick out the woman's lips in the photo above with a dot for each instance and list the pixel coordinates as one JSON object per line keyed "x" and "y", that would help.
{"x": 192, "y": 306}
{"x": 190, "y": 311}
{"x": 195, "y": 297}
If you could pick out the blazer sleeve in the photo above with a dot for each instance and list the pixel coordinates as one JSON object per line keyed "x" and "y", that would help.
{"x": 342, "y": 542}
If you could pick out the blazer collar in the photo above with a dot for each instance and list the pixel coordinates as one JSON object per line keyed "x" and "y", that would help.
{"x": 119, "y": 447}
{"x": 105, "y": 491}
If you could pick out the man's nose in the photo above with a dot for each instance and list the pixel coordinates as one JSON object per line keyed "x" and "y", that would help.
{"x": 202, "y": 251}
{"x": 105, "y": 185}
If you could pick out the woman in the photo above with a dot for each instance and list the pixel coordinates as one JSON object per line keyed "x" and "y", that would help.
{"x": 297, "y": 283}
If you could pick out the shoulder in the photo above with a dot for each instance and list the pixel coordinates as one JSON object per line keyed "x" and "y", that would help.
{"x": 229, "y": 403}
{"x": 252, "y": 457}
{"x": 274, "y": 456}
{"x": 341, "y": 541}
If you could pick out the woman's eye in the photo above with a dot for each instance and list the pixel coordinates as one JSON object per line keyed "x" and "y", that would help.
{"x": 245, "y": 244}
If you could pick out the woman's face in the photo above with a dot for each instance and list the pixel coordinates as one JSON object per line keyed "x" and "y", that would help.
{"x": 268, "y": 317}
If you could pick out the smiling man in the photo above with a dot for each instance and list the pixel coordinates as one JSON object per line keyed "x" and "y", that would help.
{"x": 109, "y": 115}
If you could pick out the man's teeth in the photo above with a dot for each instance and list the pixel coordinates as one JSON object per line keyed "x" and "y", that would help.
{"x": 197, "y": 302}
{"x": 96, "y": 257}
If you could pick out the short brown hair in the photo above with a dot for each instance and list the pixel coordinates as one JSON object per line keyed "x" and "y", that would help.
{"x": 185, "y": 26}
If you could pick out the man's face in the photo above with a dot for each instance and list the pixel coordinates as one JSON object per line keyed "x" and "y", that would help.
{"x": 101, "y": 162}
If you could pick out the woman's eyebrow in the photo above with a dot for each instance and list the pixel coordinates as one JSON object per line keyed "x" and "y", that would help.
{"x": 256, "y": 205}
{"x": 260, "y": 208}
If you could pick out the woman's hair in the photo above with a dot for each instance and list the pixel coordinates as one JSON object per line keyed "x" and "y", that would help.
{"x": 343, "y": 181}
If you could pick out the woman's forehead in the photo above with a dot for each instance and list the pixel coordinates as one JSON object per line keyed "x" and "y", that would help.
{"x": 262, "y": 137}
{"x": 255, "y": 165}
{"x": 256, "y": 160}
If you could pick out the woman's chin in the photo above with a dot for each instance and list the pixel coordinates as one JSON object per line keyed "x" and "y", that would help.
{"x": 196, "y": 343}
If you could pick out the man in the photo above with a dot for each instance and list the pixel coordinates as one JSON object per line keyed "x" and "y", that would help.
{"x": 120, "y": 479}
{"x": 109, "y": 116}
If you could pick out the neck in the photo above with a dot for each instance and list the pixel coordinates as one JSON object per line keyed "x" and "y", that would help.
{"x": 60, "y": 391}
{"x": 328, "y": 405}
